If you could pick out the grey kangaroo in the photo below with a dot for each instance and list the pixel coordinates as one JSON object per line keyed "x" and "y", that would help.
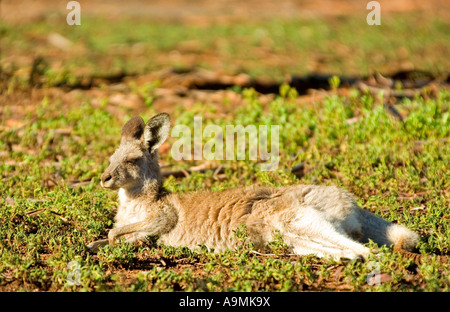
{"x": 320, "y": 220}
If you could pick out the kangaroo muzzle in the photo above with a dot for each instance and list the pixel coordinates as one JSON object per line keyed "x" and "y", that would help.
{"x": 105, "y": 179}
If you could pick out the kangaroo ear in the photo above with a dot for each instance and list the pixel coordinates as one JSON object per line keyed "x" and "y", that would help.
{"x": 156, "y": 131}
{"x": 133, "y": 129}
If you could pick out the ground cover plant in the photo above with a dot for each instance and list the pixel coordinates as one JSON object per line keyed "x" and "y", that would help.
{"x": 57, "y": 132}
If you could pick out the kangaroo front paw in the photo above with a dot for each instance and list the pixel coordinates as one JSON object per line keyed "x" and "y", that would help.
{"x": 112, "y": 237}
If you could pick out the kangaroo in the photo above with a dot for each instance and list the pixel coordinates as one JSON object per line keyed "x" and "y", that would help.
{"x": 320, "y": 220}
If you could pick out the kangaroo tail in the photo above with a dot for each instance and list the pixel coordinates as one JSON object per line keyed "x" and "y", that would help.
{"x": 384, "y": 232}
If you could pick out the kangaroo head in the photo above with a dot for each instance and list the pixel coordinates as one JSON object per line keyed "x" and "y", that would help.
{"x": 135, "y": 162}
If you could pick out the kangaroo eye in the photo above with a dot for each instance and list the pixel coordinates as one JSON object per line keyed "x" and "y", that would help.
{"x": 131, "y": 161}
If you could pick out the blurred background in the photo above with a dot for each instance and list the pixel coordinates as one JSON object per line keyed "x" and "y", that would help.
{"x": 258, "y": 37}
{"x": 272, "y": 41}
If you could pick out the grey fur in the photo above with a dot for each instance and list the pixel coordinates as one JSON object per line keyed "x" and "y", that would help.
{"x": 321, "y": 220}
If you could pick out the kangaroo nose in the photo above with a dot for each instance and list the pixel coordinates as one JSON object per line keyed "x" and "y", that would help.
{"x": 105, "y": 178}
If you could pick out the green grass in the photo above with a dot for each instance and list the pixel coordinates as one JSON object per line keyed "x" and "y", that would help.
{"x": 373, "y": 158}
{"x": 398, "y": 170}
